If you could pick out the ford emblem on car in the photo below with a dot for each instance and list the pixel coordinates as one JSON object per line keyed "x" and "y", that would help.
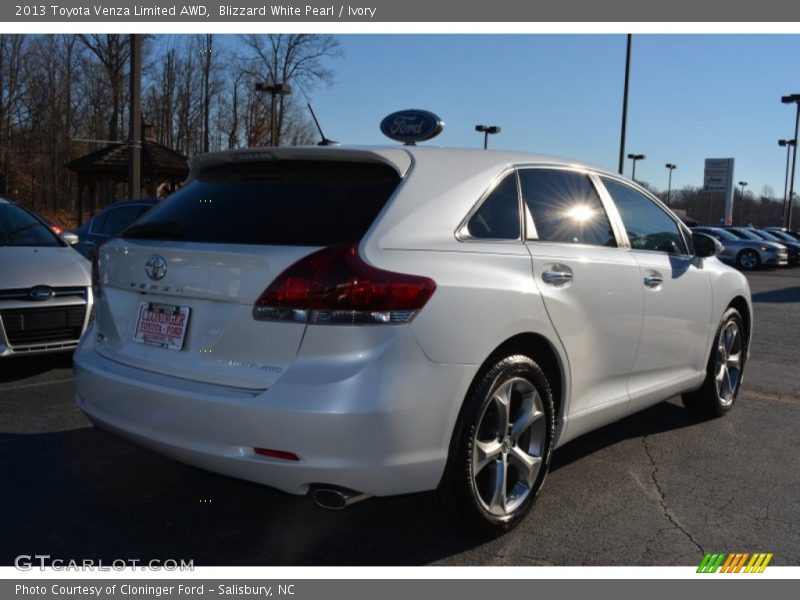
{"x": 412, "y": 126}
{"x": 41, "y": 292}
{"x": 155, "y": 267}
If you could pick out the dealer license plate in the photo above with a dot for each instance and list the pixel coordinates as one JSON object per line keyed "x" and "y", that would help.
{"x": 162, "y": 325}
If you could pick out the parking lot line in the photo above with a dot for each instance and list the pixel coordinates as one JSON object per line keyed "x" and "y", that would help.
{"x": 771, "y": 397}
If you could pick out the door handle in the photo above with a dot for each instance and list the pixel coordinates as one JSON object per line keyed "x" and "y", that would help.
{"x": 557, "y": 277}
{"x": 653, "y": 279}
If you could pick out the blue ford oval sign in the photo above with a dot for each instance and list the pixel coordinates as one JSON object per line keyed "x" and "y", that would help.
{"x": 41, "y": 292}
{"x": 412, "y": 125}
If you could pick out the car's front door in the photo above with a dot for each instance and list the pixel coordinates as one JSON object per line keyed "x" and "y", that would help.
{"x": 591, "y": 289}
{"x": 673, "y": 349}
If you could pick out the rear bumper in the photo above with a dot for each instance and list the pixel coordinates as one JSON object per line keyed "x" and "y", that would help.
{"x": 381, "y": 426}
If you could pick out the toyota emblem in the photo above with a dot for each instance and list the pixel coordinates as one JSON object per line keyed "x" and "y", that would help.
{"x": 155, "y": 267}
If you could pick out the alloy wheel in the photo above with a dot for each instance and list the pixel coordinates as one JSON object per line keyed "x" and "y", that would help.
{"x": 508, "y": 447}
{"x": 728, "y": 367}
{"x": 749, "y": 260}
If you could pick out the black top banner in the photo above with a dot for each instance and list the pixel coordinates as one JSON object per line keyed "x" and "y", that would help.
{"x": 249, "y": 11}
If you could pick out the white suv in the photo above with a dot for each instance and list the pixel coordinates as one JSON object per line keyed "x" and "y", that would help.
{"x": 377, "y": 321}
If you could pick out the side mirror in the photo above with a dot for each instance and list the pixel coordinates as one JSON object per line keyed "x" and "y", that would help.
{"x": 70, "y": 238}
{"x": 705, "y": 245}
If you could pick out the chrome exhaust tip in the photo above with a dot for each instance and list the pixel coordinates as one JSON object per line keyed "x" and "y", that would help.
{"x": 336, "y": 498}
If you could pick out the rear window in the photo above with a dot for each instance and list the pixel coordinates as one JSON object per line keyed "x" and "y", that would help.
{"x": 287, "y": 203}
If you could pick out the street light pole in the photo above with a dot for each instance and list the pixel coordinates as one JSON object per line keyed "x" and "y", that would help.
{"x": 741, "y": 208}
{"x": 634, "y": 158}
{"x": 625, "y": 104}
{"x": 275, "y": 89}
{"x": 671, "y": 167}
{"x": 788, "y": 144}
{"x": 792, "y": 99}
{"x": 487, "y": 130}
{"x": 135, "y": 128}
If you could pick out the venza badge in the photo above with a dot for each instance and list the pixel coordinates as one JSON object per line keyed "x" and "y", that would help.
{"x": 155, "y": 267}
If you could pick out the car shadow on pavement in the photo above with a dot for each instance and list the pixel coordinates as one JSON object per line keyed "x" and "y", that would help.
{"x": 83, "y": 493}
{"x": 780, "y": 296}
{"x": 16, "y": 368}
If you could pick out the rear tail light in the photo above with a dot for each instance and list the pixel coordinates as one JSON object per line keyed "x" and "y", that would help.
{"x": 281, "y": 454}
{"x": 335, "y": 286}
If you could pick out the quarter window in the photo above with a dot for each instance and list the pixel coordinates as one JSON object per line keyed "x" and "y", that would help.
{"x": 565, "y": 207}
{"x": 498, "y": 216}
{"x": 649, "y": 227}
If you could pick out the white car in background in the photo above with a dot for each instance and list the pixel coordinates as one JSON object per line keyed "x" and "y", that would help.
{"x": 45, "y": 286}
{"x": 385, "y": 320}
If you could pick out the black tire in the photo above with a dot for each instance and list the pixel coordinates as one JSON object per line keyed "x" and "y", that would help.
{"x": 464, "y": 496}
{"x": 748, "y": 260}
{"x": 710, "y": 400}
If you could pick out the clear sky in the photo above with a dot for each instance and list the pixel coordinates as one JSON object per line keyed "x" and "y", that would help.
{"x": 692, "y": 97}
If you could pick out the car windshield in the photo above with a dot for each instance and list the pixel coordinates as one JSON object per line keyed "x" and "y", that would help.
{"x": 720, "y": 233}
{"x": 766, "y": 235}
{"x": 745, "y": 234}
{"x": 18, "y": 227}
{"x": 782, "y": 236}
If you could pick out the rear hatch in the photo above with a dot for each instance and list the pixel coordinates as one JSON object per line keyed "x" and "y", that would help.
{"x": 179, "y": 286}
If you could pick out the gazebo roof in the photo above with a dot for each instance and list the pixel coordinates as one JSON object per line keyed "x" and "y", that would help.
{"x": 112, "y": 161}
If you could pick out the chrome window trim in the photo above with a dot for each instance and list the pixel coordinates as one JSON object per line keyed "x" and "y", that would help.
{"x": 462, "y": 233}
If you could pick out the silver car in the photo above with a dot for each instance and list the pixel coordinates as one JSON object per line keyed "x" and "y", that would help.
{"x": 45, "y": 286}
{"x": 744, "y": 252}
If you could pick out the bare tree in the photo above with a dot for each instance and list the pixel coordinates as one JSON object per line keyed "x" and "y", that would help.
{"x": 113, "y": 51}
{"x": 298, "y": 59}
{"x": 62, "y": 95}
{"x": 206, "y": 49}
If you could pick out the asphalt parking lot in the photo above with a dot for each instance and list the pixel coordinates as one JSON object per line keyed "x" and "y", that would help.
{"x": 658, "y": 488}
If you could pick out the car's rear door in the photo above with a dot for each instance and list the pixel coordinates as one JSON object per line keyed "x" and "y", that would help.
{"x": 677, "y": 297}
{"x": 591, "y": 289}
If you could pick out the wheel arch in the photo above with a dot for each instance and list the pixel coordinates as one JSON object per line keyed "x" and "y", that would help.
{"x": 538, "y": 348}
{"x": 740, "y": 304}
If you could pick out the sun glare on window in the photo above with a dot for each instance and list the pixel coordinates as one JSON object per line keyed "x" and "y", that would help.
{"x": 580, "y": 213}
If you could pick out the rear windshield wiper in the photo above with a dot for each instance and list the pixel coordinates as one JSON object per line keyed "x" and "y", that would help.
{"x": 155, "y": 230}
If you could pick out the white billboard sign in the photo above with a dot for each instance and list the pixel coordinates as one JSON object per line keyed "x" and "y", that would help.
{"x": 718, "y": 177}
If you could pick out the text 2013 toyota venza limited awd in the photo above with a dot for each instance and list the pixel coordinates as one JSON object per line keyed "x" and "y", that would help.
{"x": 377, "y": 321}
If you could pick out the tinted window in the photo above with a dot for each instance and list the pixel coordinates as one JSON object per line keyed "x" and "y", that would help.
{"x": 649, "y": 227}
{"x": 286, "y": 202}
{"x": 20, "y": 228}
{"x": 783, "y": 236}
{"x": 720, "y": 234}
{"x": 115, "y": 220}
{"x": 565, "y": 207}
{"x": 766, "y": 235}
{"x": 498, "y": 216}
{"x": 744, "y": 234}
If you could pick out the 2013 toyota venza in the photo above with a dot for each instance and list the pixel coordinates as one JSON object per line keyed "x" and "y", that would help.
{"x": 360, "y": 322}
